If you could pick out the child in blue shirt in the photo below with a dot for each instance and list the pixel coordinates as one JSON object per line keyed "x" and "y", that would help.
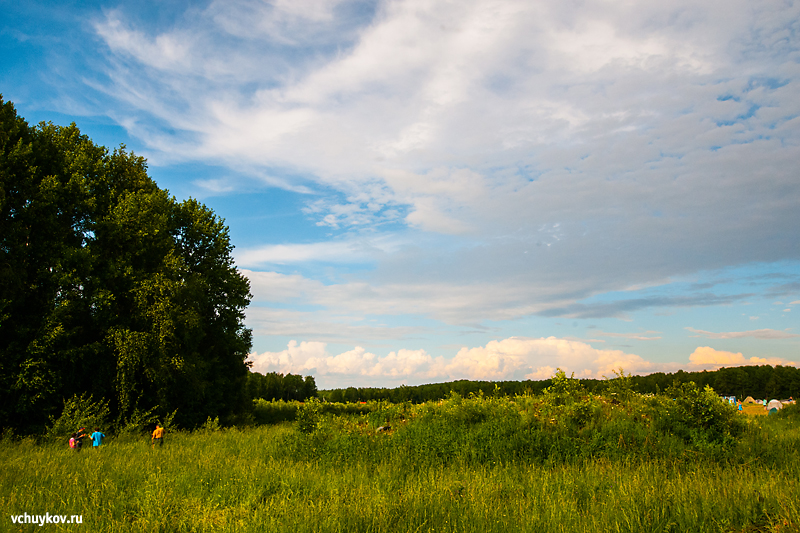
{"x": 97, "y": 438}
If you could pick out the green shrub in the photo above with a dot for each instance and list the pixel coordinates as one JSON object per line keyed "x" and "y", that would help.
{"x": 308, "y": 416}
{"x": 79, "y": 411}
{"x": 138, "y": 423}
{"x": 699, "y": 416}
{"x": 383, "y": 413}
{"x": 620, "y": 386}
{"x": 790, "y": 412}
{"x": 563, "y": 389}
{"x": 211, "y": 425}
{"x": 273, "y": 412}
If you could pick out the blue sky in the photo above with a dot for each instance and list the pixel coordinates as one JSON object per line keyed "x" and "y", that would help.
{"x": 422, "y": 191}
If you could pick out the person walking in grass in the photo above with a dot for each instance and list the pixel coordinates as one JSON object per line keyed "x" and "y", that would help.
{"x": 158, "y": 436}
{"x": 79, "y": 436}
{"x": 97, "y": 438}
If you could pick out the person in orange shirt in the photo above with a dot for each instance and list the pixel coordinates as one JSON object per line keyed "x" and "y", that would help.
{"x": 158, "y": 436}
{"x": 79, "y": 436}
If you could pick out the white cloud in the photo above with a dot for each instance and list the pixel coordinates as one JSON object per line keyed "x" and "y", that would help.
{"x": 517, "y": 358}
{"x": 291, "y": 360}
{"x": 297, "y": 253}
{"x": 443, "y": 104}
{"x": 632, "y": 336}
{"x": 447, "y": 297}
{"x": 707, "y": 357}
{"x": 324, "y": 326}
{"x": 312, "y": 358}
{"x": 757, "y": 334}
{"x": 535, "y": 154}
{"x": 350, "y": 250}
{"x": 513, "y": 358}
{"x": 452, "y": 303}
{"x": 168, "y": 51}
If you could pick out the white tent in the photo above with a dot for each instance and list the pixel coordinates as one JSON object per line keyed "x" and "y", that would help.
{"x": 776, "y": 404}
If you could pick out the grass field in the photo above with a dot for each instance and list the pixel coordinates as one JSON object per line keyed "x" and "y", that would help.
{"x": 754, "y": 409}
{"x": 620, "y": 469}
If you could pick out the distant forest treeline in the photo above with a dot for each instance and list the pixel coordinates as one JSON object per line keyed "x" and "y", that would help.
{"x": 757, "y": 381}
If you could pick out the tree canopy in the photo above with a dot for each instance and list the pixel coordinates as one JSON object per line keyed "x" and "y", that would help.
{"x": 110, "y": 286}
{"x": 276, "y": 386}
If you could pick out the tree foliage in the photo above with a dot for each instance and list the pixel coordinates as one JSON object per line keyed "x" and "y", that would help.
{"x": 276, "y": 386}
{"x": 109, "y": 286}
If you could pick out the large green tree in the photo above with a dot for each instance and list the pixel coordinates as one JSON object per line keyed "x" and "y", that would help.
{"x": 110, "y": 286}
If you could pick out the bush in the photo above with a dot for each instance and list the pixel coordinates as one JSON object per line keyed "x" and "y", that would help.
{"x": 699, "y": 416}
{"x": 79, "y": 411}
{"x": 789, "y": 412}
{"x": 138, "y": 422}
{"x": 273, "y": 412}
{"x": 564, "y": 390}
{"x": 620, "y": 386}
{"x": 308, "y": 416}
{"x": 211, "y": 425}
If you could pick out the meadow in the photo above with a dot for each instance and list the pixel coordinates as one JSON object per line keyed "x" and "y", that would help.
{"x": 559, "y": 461}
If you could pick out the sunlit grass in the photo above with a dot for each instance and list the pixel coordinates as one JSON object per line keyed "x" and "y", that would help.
{"x": 261, "y": 479}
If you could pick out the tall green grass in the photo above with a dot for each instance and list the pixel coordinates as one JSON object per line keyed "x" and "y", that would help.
{"x": 531, "y": 463}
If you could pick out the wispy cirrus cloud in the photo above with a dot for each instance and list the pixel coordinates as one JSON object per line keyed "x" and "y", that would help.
{"x": 622, "y": 307}
{"x": 355, "y": 250}
{"x": 765, "y": 334}
{"x": 644, "y": 336}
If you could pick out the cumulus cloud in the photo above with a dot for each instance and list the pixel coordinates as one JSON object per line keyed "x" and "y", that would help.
{"x": 313, "y": 358}
{"x": 522, "y": 358}
{"x": 709, "y": 358}
{"x": 513, "y": 358}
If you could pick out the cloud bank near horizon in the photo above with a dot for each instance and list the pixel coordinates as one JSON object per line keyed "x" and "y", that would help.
{"x": 705, "y": 357}
{"x": 515, "y": 358}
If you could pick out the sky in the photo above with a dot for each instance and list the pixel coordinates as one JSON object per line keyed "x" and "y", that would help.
{"x": 421, "y": 191}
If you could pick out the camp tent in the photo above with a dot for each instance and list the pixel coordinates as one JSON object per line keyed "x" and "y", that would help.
{"x": 774, "y": 404}
{"x": 749, "y": 399}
